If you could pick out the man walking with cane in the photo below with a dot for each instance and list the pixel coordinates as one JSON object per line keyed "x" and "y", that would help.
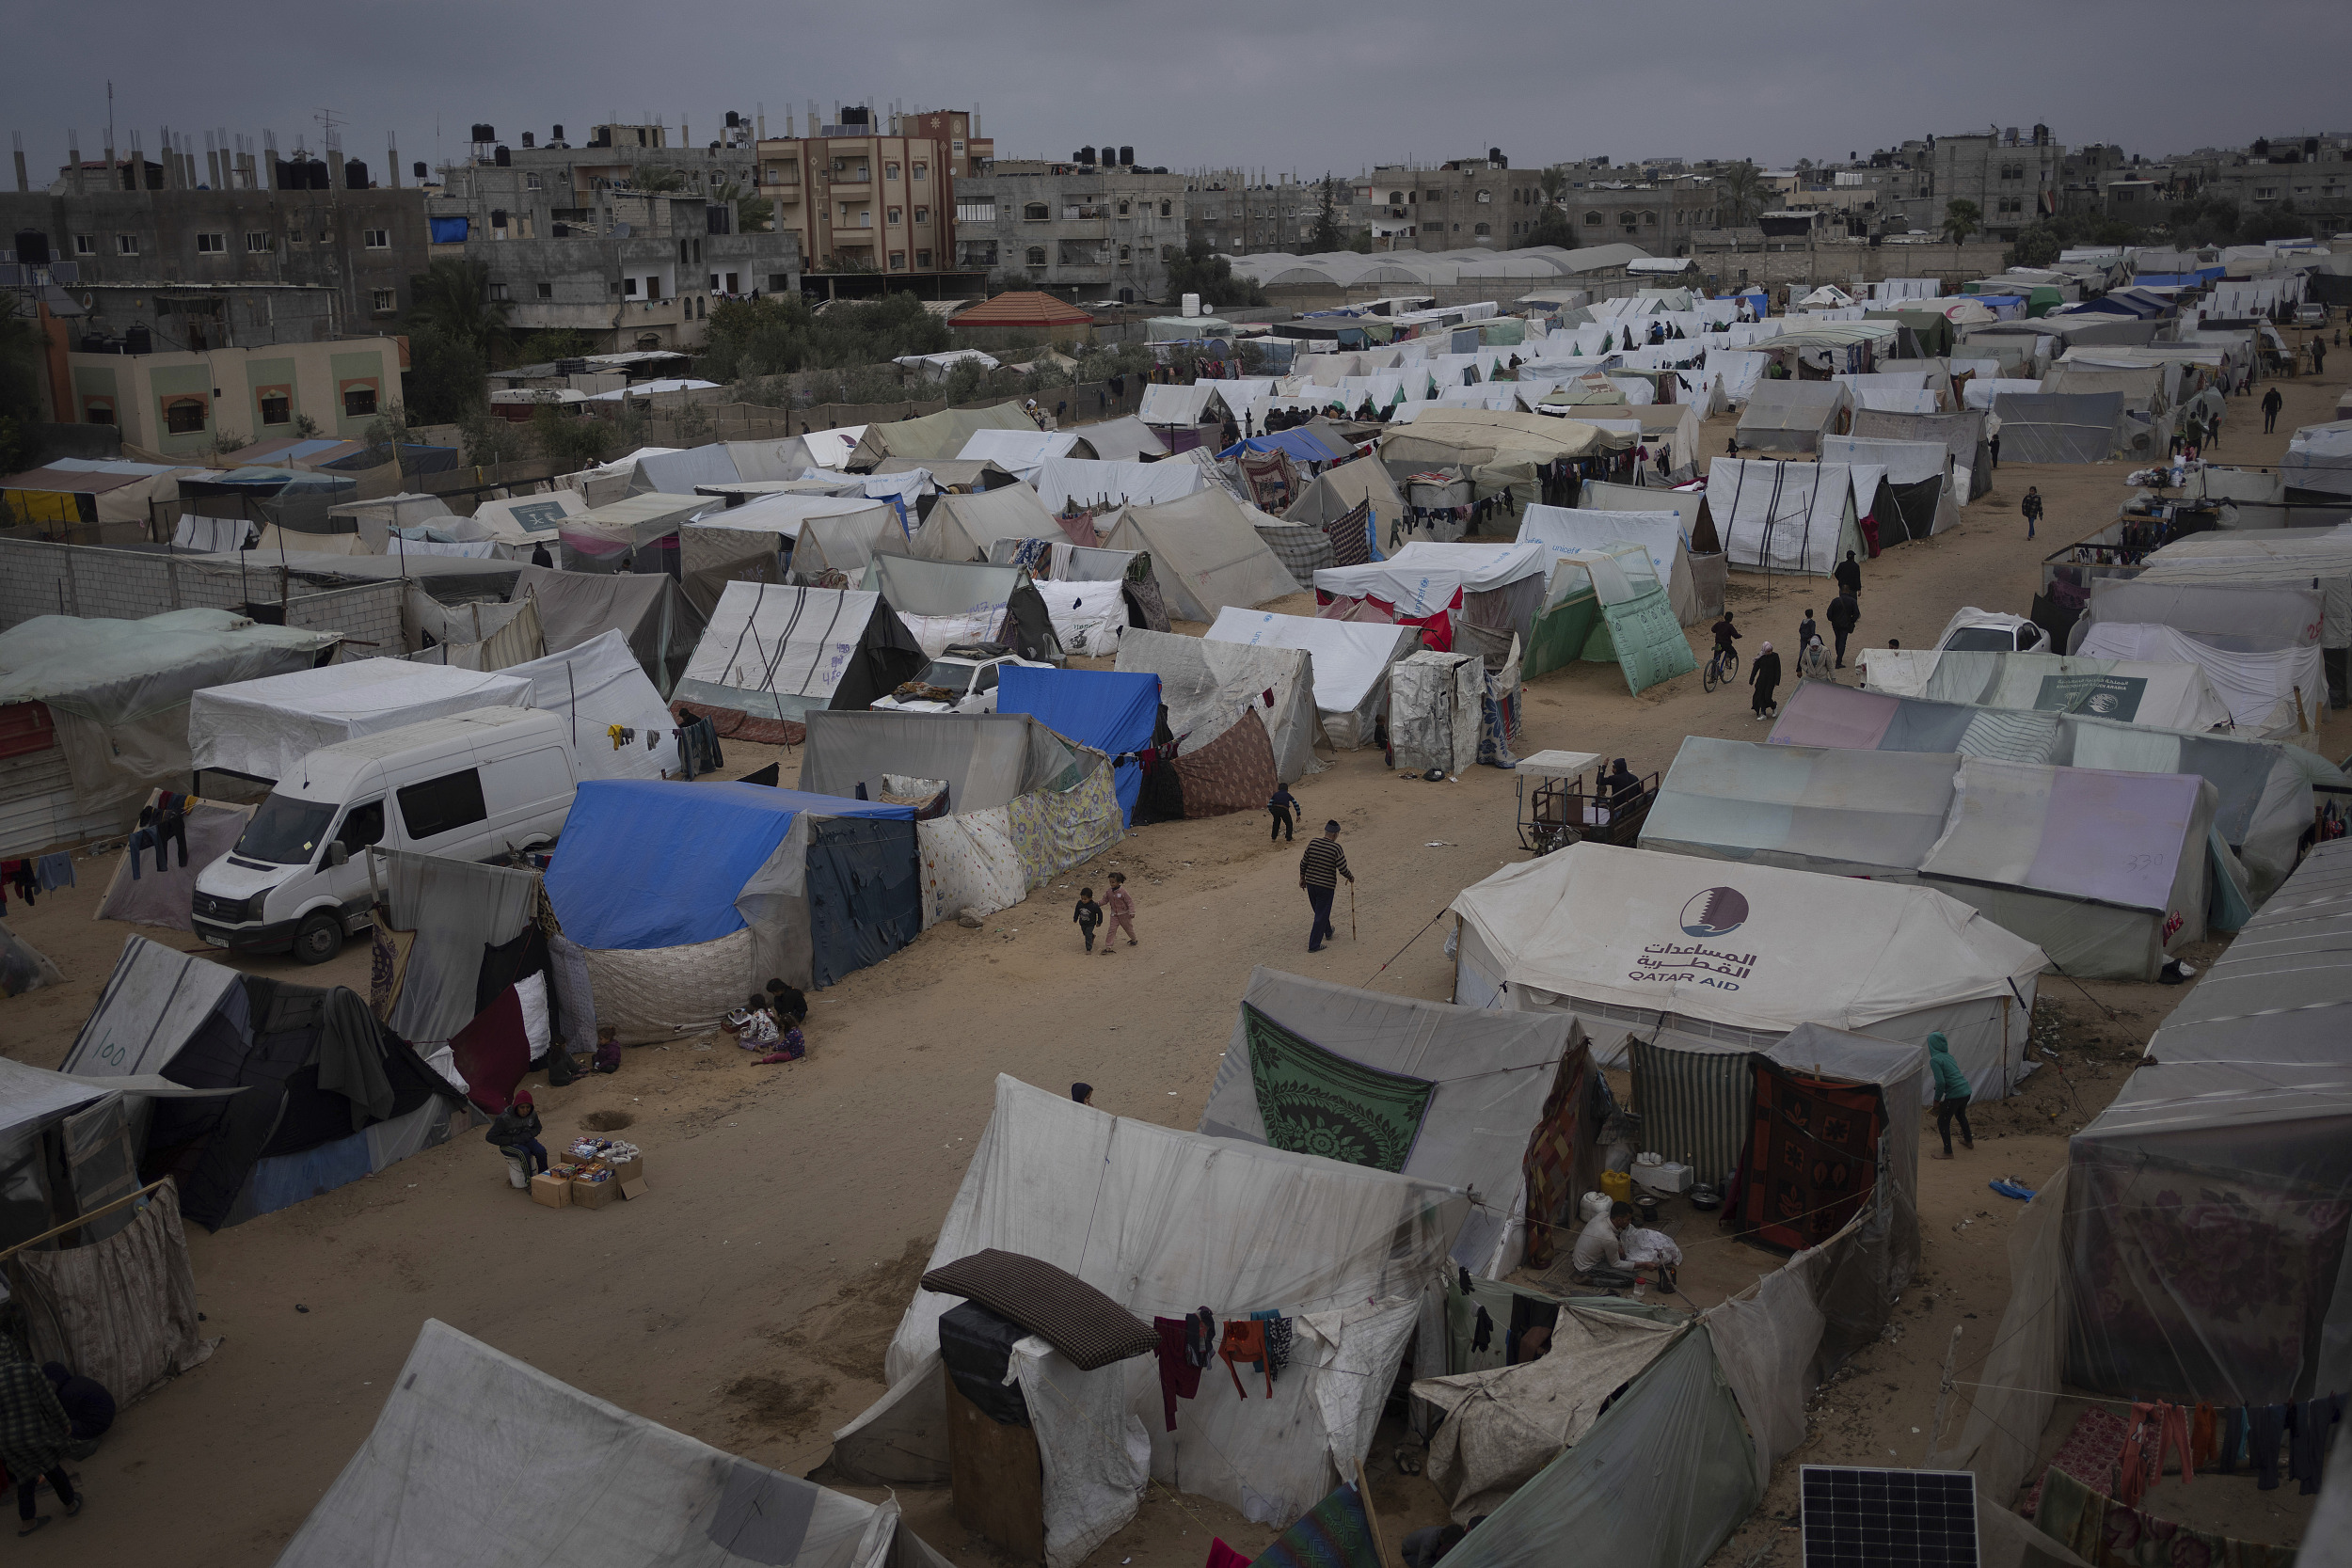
{"x": 1319, "y": 872}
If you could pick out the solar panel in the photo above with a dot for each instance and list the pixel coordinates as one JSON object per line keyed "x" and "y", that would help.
{"x": 1857, "y": 1518}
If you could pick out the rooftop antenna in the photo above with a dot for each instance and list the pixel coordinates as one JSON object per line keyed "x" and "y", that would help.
{"x": 328, "y": 125}
{"x": 110, "y": 111}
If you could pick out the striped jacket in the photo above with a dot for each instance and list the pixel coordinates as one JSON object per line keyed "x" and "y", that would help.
{"x": 1323, "y": 864}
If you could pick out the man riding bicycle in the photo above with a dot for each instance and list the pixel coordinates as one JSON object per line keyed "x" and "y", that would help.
{"x": 1726, "y": 633}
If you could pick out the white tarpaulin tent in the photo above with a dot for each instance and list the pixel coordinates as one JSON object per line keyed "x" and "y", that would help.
{"x": 962, "y": 526}
{"x": 1207, "y": 684}
{"x": 1495, "y": 1072}
{"x": 1162, "y": 1221}
{"x": 595, "y": 685}
{"x": 1633, "y": 937}
{"x": 1063, "y": 480}
{"x": 1425, "y": 580}
{"x": 1569, "y": 531}
{"x": 2275, "y": 694}
{"x": 1021, "y": 454}
{"x": 2171, "y": 696}
{"x": 1794, "y": 416}
{"x": 2319, "y": 458}
{"x": 1205, "y": 552}
{"x": 261, "y": 728}
{"x": 777, "y": 652}
{"x": 481, "y": 1458}
{"x": 1351, "y": 662}
{"x": 1782, "y": 516}
{"x": 2296, "y": 556}
{"x": 1436, "y": 708}
{"x": 1908, "y": 464}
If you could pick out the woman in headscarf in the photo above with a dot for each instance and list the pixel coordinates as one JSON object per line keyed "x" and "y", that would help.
{"x": 1764, "y": 675}
{"x": 1813, "y": 664}
{"x": 34, "y": 1432}
{"x": 1952, "y": 1093}
{"x": 1082, "y": 1093}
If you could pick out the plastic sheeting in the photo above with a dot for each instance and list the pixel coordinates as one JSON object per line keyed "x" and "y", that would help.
{"x": 986, "y": 759}
{"x": 1061, "y": 480}
{"x": 1793, "y": 415}
{"x": 551, "y": 1468}
{"x": 1351, "y": 661}
{"x": 1574, "y": 530}
{"x": 454, "y": 910}
{"x": 1113, "y": 712}
{"x": 264, "y": 728}
{"x": 1782, "y": 516}
{"x": 1435, "y": 711}
{"x": 781, "y": 653}
{"x": 1496, "y": 1073}
{"x": 1424, "y": 579}
{"x": 592, "y": 686}
{"x": 1205, "y": 553}
{"x": 121, "y": 1311}
{"x": 2279, "y": 614}
{"x": 2173, "y": 696}
{"x": 1209, "y": 685}
{"x": 1162, "y": 1220}
{"x": 2313, "y": 558}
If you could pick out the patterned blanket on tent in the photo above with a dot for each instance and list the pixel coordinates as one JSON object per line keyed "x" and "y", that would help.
{"x": 969, "y": 861}
{"x": 1317, "y": 1102}
{"x": 1272, "y": 480}
{"x": 1337, "y": 1532}
{"x": 1303, "y": 548}
{"x": 1694, "y": 1105}
{"x": 1812, "y": 1157}
{"x": 1351, "y": 536}
{"x": 1052, "y": 830}
{"x": 1234, "y": 773}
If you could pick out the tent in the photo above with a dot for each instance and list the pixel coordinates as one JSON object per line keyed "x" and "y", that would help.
{"x": 942, "y": 602}
{"x": 2258, "y": 616}
{"x": 678, "y": 473}
{"x": 1920, "y": 473}
{"x": 1061, "y": 480}
{"x": 1606, "y": 605}
{"x": 1205, "y": 552}
{"x": 2056, "y": 427}
{"x": 940, "y": 434}
{"x": 1633, "y": 937}
{"x": 1161, "y": 1220}
{"x": 260, "y": 729}
{"x": 596, "y": 687}
{"x": 794, "y": 455}
{"x": 2171, "y": 695}
{"x": 2034, "y": 847}
{"x": 1658, "y": 533}
{"x": 522, "y": 523}
{"x": 963, "y": 528}
{"x": 2206, "y": 1209}
{"x": 98, "y": 711}
{"x": 324, "y": 1094}
{"x": 1124, "y": 439}
{"x": 1116, "y": 714}
{"x": 687, "y": 897}
{"x": 1509, "y": 1110}
{"x": 1699, "y": 536}
{"x": 2319, "y": 458}
{"x": 1208, "y": 684}
{"x": 648, "y": 608}
{"x": 1351, "y": 662}
{"x": 2311, "y": 558}
{"x": 69, "y": 490}
{"x": 1795, "y": 517}
{"x": 554, "y": 1474}
{"x": 607, "y": 538}
{"x": 1431, "y": 586}
{"x": 1437, "y": 710}
{"x": 1338, "y": 491}
{"x": 1961, "y": 433}
{"x": 2263, "y": 789}
{"x": 777, "y": 652}
{"x": 2274, "y": 694}
{"x": 1021, "y": 454}
{"x": 844, "y": 544}
{"x": 1794, "y": 416}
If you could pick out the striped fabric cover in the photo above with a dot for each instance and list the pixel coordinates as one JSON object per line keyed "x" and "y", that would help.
{"x": 1694, "y": 1106}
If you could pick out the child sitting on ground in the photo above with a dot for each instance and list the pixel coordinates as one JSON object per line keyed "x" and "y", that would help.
{"x": 1088, "y": 915}
{"x": 754, "y": 1027}
{"x": 608, "y": 1050}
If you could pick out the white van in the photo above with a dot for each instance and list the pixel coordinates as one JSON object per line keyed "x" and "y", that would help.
{"x": 474, "y": 785}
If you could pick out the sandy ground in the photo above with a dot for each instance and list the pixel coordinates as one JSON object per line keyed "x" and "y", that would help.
{"x": 747, "y": 1299}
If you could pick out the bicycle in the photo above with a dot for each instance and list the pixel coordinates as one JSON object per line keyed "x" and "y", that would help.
{"x": 1723, "y": 668}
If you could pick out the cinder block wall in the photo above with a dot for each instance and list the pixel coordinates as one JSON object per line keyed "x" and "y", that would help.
{"x": 39, "y": 577}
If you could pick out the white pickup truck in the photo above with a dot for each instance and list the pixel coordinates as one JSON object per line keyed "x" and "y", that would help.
{"x": 954, "y": 682}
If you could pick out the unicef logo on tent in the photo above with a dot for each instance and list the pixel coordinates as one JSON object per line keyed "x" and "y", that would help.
{"x": 1718, "y": 911}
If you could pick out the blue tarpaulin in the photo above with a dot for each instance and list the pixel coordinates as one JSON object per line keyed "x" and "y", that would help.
{"x": 654, "y": 863}
{"x": 448, "y": 230}
{"x": 1302, "y": 447}
{"x": 1111, "y": 712}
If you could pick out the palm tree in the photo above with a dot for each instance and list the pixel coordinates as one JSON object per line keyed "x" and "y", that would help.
{"x": 1554, "y": 183}
{"x": 655, "y": 179}
{"x": 1740, "y": 194}
{"x": 1960, "y": 219}
{"x": 752, "y": 213}
{"x": 453, "y": 298}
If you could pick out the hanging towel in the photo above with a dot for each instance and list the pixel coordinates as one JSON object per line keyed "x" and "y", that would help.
{"x": 1180, "y": 1379}
{"x": 55, "y": 871}
{"x": 1244, "y": 1340}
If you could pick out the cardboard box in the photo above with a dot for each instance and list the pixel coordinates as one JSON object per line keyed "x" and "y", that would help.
{"x": 555, "y": 1192}
{"x": 594, "y": 1195}
{"x": 632, "y": 1188}
{"x": 626, "y": 1170}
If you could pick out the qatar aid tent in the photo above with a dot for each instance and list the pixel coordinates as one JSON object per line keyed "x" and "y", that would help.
{"x": 1501, "y": 1103}
{"x": 963, "y": 526}
{"x": 1794, "y": 416}
{"x": 1635, "y": 938}
{"x": 1162, "y": 1221}
{"x": 944, "y": 602}
{"x": 314, "y": 1093}
{"x": 1792, "y": 517}
{"x": 1566, "y": 529}
{"x": 480, "y": 1458}
{"x": 260, "y": 729}
{"x": 2107, "y": 872}
{"x": 1500, "y": 586}
{"x": 1205, "y": 552}
{"x": 2169, "y": 696}
{"x": 1920, "y": 475}
{"x": 687, "y": 897}
{"x": 1350, "y": 668}
{"x": 779, "y": 652}
{"x": 2264, "y": 788}
{"x": 1208, "y": 685}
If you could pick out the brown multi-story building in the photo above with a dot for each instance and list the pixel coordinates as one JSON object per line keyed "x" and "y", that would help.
{"x": 872, "y": 200}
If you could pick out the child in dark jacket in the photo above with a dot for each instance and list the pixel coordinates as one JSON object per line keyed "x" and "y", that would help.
{"x": 1088, "y": 915}
{"x": 517, "y": 1130}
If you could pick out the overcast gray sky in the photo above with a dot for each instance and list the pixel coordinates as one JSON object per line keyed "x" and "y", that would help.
{"x": 1261, "y": 83}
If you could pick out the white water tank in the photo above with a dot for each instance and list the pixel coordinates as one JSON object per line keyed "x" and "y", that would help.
{"x": 1192, "y": 305}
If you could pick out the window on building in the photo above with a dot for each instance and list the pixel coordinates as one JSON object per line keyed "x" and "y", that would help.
{"x": 85, "y": 244}
{"x": 211, "y": 244}
{"x": 1126, "y": 253}
{"x": 1482, "y": 228}
{"x": 629, "y": 285}
{"x": 896, "y": 216}
{"x": 1166, "y": 209}
{"x": 922, "y": 214}
{"x": 779, "y": 281}
{"x": 1396, "y": 199}
{"x": 1035, "y": 212}
{"x": 359, "y": 400}
{"x": 257, "y": 242}
{"x": 128, "y": 244}
{"x": 698, "y": 250}
{"x": 976, "y": 212}
{"x": 183, "y": 415}
{"x": 864, "y": 174}
{"x": 1123, "y": 209}
{"x": 377, "y": 239}
{"x": 2261, "y": 193}
{"x": 923, "y": 261}
{"x": 1650, "y": 219}
{"x": 385, "y": 301}
{"x": 275, "y": 404}
{"x": 890, "y": 172}
{"x": 1035, "y": 257}
{"x": 498, "y": 291}
{"x": 546, "y": 291}
{"x": 1485, "y": 197}
{"x": 98, "y": 410}
{"x": 1592, "y": 220}
{"x": 531, "y": 181}
{"x": 921, "y": 171}
{"x": 653, "y": 288}
{"x": 898, "y": 261}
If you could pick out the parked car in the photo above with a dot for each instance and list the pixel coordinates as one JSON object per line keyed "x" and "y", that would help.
{"x": 954, "y": 682}
{"x": 2310, "y": 313}
{"x": 480, "y": 787}
{"x": 1988, "y": 631}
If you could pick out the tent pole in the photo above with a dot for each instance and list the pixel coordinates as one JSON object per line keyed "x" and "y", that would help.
{"x": 1363, "y": 1495}
{"x": 132, "y": 1198}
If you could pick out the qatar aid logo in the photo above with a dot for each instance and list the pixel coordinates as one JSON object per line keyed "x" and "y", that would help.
{"x": 1715, "y": 912}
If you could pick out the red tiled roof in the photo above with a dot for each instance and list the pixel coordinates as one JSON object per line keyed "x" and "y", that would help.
{"x": 1022, "y": 308}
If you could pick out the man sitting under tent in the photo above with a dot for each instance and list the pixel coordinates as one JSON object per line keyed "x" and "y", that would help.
{"x": 1600, "y": 1256}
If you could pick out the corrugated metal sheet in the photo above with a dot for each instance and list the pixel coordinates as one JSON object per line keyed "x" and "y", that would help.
{"x": 37, "y": 807}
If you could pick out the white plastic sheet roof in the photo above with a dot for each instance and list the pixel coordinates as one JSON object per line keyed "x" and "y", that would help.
{"x": 1351, "y": 657}
{"x": 1062, "y": 480}
{"x": 1424, "y": 578}
{"x": 264, "y": 728}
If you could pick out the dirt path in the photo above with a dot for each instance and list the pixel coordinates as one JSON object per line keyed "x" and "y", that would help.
{"x": 748, "y": 1298}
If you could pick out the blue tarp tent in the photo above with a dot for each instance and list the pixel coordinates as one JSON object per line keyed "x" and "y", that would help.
{"x": 649, "y": 864}
{"x": 1302, "y": 447}
{"x": 1113, "y": 713}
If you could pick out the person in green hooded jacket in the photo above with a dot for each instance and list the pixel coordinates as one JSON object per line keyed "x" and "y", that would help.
{"x": 1952, "y": 1094}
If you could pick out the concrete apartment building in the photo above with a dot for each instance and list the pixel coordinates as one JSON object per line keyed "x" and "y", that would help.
{"x": 871, "y": 201}
{"x": 1467, "y": 204}
{"x": 625, "y": 238}
{"x": 131, "y": 223}
{"x": 180, "y": 404}
{"x": 2313, "y": 171}
{"x": 2015, "y": 178}
{"x": 1083, "y": 229}
{"x": 1656, "y": 208}
{"x": 1236, "y": 213}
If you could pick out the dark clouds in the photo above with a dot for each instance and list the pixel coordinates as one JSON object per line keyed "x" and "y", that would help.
{"x": 1261, "y": 84}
